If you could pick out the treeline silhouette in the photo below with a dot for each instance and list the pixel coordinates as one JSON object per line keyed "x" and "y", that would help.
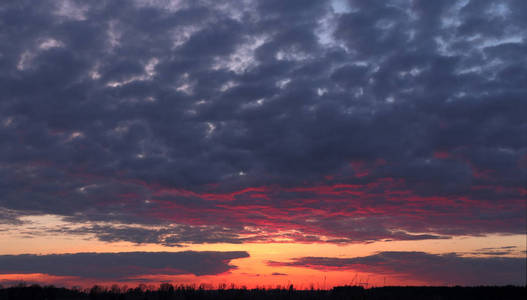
{"x": 168, "y": 292}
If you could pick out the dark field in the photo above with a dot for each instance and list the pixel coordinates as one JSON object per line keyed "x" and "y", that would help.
{"x": 167, "y": 291}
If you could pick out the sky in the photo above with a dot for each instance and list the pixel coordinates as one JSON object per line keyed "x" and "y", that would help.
{"x": 263, "y": 142}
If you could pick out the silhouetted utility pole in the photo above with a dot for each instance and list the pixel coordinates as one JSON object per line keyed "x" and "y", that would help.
{"x": 365, "y": 284}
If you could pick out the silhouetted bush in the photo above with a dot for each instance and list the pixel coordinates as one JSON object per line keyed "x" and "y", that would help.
{"x": 168, "y": 291}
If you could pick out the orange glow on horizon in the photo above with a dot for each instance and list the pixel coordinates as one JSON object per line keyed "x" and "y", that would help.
{"x": 254, "y": 271}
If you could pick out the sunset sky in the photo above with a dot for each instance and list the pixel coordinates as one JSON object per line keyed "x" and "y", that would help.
{"x": 263, "y": 142}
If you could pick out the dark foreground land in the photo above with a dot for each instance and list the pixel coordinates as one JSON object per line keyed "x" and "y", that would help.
{"x": 167, "y": 292}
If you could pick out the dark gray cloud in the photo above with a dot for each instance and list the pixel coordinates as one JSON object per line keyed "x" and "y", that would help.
{"x": 9, "y": 217}
{"x": 121, "y": 265}
{"x": 173, "y": 236}
{"x": 498, "y": 251}
{"x": 385, "y": 120}
{"x": 433, "y": 268}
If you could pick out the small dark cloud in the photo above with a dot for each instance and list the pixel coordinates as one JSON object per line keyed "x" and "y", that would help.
{"x": 9, "y": 217}
{"x": 494, "y": 253}
{"x": 496, "y": 248}
{"x": 437, "y": 269}
{"x": 497, "y": 251}
{"x": 121, "y": 265}
{"x": 278, "y": 274}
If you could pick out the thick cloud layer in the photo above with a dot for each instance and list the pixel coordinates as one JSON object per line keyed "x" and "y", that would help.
{"x": 120, "y": 266}
{"x": 431, "y": 268}
{"x": 243, "y": 121}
